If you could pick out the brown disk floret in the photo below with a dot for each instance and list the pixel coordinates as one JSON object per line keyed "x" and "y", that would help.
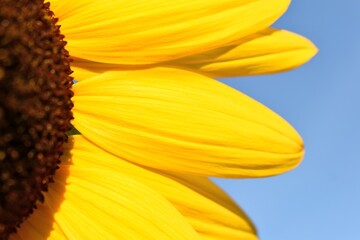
{"x": 35, "y": 106}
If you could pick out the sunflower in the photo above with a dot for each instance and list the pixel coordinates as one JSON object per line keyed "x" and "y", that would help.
{"x": 152, "y": 124}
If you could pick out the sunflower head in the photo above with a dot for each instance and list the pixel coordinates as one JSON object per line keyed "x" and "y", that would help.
{"x": 35, "y": 106}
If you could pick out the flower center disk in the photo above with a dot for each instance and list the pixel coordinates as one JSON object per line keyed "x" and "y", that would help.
{"x": 35, "y": 106}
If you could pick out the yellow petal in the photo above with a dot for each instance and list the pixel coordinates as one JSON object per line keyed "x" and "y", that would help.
{"x": 84, "y": 69}
{"x": 211, "y": 212}
{"x": 268, "y": 51}
{"x": 143, "y": 32}
{"x": 206, "y": 207}
{"x": 83, "y": 73}
{"x": 93, "y": 202}
{"x": 181, "y": 121}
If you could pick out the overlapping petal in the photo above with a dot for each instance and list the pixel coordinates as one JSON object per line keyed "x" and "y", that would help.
{"x": 180, "y": 121}
{"x": 84, "y": 69}
{"x": 89, "y": 201}
{"x": 206, "y": 207}
{"x": 268, "y": 51}
{"x": 151, "y": 31}
{"x": 265, "y": 52}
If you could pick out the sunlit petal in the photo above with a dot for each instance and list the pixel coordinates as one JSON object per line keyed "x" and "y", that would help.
{"x": 88, "y": 201}
{"x": 181, "y": 121}
{"x": 268, "y": 51}
{"x": 206, "y": 207}
{"x": 150, "y": 31}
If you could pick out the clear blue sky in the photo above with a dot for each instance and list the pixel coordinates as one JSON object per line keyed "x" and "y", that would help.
{"x": 320, "y": 200}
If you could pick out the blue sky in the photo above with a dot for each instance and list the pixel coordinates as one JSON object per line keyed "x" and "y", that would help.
{"x": 321, "y": 198}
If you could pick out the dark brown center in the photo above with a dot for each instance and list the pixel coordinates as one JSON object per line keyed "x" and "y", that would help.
{"x": 35, "y": 106}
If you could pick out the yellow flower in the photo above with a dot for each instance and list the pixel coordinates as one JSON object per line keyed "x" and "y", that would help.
{"x": 154, "y": 126}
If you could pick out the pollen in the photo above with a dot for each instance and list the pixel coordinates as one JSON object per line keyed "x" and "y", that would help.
{"x": 35, "y": 106}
